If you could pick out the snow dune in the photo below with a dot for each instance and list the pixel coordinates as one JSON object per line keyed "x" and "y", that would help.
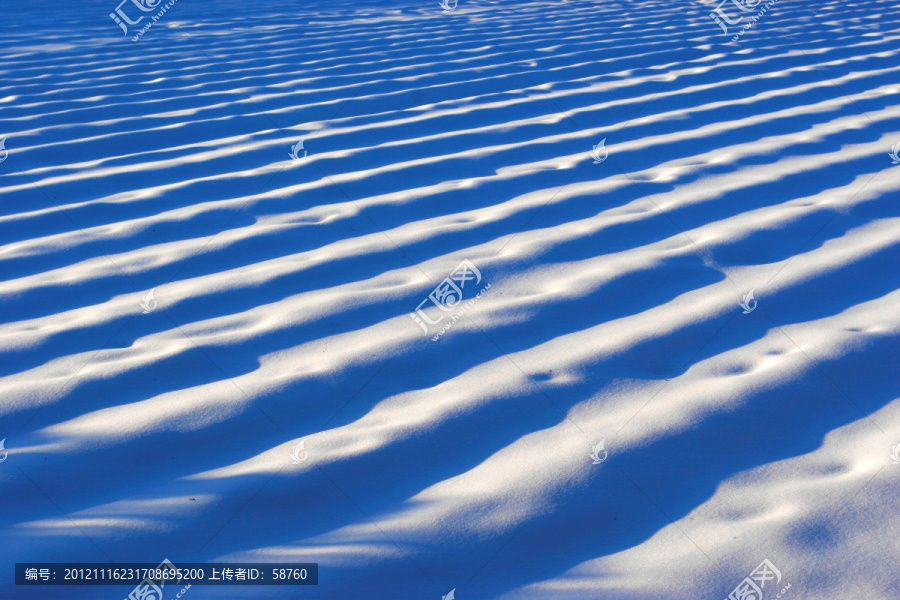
{"x": 140, "y": 428}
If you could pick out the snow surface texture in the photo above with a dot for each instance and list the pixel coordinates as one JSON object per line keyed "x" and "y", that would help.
{"x": 140, "y": 428}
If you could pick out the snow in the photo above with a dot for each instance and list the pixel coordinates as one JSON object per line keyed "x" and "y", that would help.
{"x": 140, "y": 428}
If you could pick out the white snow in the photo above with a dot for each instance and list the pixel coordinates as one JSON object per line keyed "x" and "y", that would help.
{"x": 284, "y": 292}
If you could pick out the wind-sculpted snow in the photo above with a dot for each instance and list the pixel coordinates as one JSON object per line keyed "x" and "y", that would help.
{"x": 678, "y": 357}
